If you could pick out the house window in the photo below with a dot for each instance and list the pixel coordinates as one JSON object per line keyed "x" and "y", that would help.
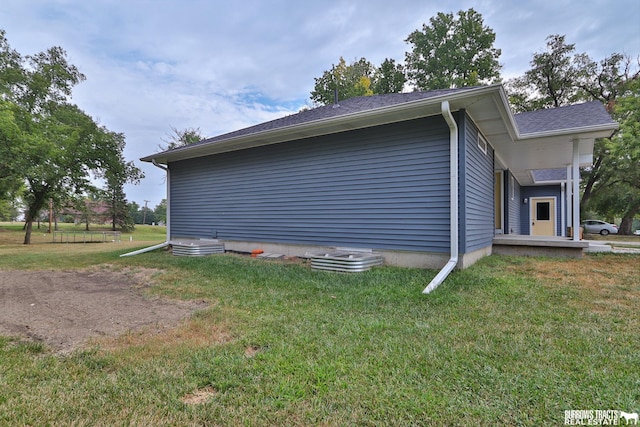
{"x": 482, "y": 143}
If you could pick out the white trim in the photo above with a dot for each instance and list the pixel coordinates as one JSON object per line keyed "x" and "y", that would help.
{"x": 576, "y": 189}
{"x": 569, "y": 193}
{"x": 532, "y": 202}
{"x": 512, "y": 187}
{"x": 563, "y": 208}
{"x": 482, "y": 143}
{"x": 502, "y": 204}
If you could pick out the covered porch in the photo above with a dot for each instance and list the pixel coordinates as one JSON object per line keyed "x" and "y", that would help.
{"x": 537, "y": 178}
{"x": 551, "y": 246}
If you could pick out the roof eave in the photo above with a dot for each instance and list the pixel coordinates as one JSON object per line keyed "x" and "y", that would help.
{"x": 603, "y": 131}
{"x": 379, "y": 116}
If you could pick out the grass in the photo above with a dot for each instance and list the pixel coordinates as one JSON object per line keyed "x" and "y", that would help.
{"x": 613, "y": 237}
{"x": 43, "y": 253}
{"x": 510, "y": 341}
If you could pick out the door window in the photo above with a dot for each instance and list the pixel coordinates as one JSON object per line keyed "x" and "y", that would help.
{"x": 543, "y": 211}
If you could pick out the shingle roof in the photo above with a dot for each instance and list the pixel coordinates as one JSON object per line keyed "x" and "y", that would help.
{"x": 556, "y": 119}
{"x": 343, "y": 108}
{"x": 569, "y": 117}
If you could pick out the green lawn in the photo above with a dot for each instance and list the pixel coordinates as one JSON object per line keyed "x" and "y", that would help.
{"x": 510, "y": 341}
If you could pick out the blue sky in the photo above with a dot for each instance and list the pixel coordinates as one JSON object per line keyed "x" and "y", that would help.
{"x": 223, "y": 65}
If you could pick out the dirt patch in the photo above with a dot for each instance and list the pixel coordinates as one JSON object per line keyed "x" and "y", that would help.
{"x": 199, "y": 396}
{"x": 64, "y": 309}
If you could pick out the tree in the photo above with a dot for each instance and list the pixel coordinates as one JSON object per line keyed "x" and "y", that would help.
{"x": 389, "y": 77}
{"x": 179, "y": 138}
{"x": 453, "y": 52}
{"x": 554, "y": 78}
{"x": 10, "y": 141}
{"x": 616, "y": 192}
{"x": 118, "y": 173}
{"x": 134, "y": 212}
{"x": 360, "y": 78}
{"x": 347, "y": 81}
{"x": 53, "y": 148}
{"x": 8, "y": 211}
{"x": 560, "y": 77}
{"x": 160, "y": 211}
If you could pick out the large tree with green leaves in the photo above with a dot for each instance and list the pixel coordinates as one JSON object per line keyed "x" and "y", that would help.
{"x": 360, "y": 78}
{"x": 615, "y": 184}
{"x": 453, "y": 51}
{"x": 118, "y": 173}
{"x": 50, "y": 147}
{"x": 560, "y": 76}
{"x": 554, "y": 80}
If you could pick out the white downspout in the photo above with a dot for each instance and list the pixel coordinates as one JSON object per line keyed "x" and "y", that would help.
{"x": 453, "y": 195}
{"x": 166, "y": 242}
{"x": 168, "y": 190}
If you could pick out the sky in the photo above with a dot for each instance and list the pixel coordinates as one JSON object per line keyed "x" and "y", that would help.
{"x": 220, "y": 66}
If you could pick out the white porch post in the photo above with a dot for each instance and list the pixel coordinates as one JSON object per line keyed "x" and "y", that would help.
{"x": 563, "y": 206}
{"x": 568, "y": 192}
{"x": 576, "y": 190}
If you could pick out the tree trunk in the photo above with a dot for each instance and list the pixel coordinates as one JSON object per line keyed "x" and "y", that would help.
{"x": 627, "y": 220}
{"x": 29, "y": 227}
{"x": 33, "y": 212}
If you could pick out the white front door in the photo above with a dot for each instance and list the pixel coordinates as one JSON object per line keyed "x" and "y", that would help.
{"x": 543, "y": 216}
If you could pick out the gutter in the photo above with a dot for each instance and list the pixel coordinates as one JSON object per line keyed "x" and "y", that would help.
{"x": 319, "y": 126}
{"x": 453, "y": 194}
{"x": 158, "y": 165}
{"x": 166, "y": 242}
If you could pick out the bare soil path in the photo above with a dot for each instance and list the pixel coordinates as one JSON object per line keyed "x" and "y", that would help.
{"x": 65, "y": 308}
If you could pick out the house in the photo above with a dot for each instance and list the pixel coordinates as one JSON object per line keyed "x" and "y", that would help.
{"x": 426, "y": 178}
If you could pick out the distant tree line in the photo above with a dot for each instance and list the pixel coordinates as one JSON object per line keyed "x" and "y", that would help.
{"x": 145, "y": 215}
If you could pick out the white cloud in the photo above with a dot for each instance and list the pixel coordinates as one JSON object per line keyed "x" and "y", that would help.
{"x": 224, "y": 65}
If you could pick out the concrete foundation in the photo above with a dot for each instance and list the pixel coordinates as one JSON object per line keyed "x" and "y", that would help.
{"x": 395, "y": 258}
{"x": 558, "y": 247}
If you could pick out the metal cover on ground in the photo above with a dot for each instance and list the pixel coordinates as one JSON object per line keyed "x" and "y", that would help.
{"x": 196, "y": 247}
{"x": 345, "y": 261}
{"x": 267, "y": 255}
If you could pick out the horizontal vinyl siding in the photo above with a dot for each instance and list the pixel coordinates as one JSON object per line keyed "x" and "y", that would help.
{"x": 514, "y": 204}
{"x": 478, "y": 198}
{"x": 540, "y": 191}
{"x": 385, "y": 187}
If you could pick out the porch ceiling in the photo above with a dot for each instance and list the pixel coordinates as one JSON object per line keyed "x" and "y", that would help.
{"x": 524, "y": 153}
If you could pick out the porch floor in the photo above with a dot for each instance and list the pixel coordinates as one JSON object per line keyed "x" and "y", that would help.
{"x": 515, "y": 244}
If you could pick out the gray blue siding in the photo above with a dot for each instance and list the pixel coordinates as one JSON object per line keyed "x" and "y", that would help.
{"x": 385, "y": 187}
{"x": 513, "y": 200}
{"x": 541, "y": 191}
{"x": 476, "y": 190}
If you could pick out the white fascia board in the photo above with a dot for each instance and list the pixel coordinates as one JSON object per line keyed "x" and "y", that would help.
{"x": 357, "y": 120}
{"x": 601, "y": 131}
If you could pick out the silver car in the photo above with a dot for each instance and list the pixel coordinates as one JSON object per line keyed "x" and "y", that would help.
{"x": 596, "y": 226}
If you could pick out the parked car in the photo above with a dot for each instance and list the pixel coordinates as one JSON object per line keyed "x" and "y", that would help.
{"x": 596, "y": 226}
